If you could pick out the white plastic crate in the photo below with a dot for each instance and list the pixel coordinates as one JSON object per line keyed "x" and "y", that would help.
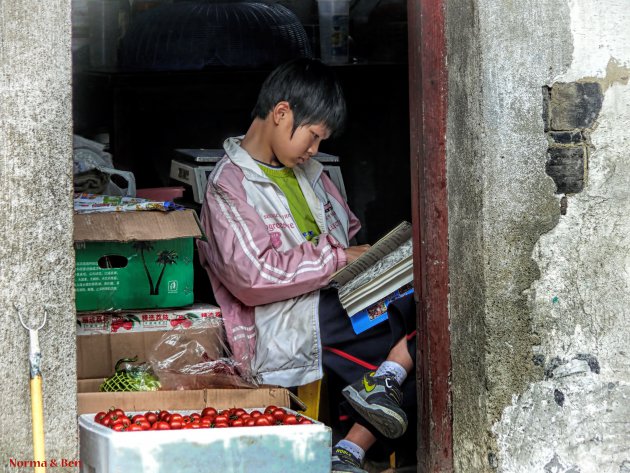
{"x": 274, "y": 449}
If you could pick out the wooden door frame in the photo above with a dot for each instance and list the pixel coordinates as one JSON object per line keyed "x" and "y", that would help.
{"x": 428, "y": 109}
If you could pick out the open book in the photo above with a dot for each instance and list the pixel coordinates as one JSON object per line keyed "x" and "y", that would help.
{"x": 386, "y": 267}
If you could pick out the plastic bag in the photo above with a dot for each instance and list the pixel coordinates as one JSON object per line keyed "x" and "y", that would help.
{"x": 93, "y": 168}
{"x": 197, "y": 357}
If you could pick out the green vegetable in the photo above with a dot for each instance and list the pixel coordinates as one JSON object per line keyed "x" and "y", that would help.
{"x": 130, "y": 378}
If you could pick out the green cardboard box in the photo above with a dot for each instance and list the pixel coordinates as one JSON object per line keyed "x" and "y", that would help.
{"x": 134, "y": 260}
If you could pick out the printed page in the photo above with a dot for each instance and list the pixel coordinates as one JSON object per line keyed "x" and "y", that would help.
{"x": 380, "y": 249}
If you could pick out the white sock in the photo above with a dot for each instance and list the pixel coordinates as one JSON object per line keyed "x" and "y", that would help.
{"x": 353, "y": 448}
{"x": 392, "y": 368}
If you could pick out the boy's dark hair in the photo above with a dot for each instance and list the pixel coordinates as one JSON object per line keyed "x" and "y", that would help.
{"x": 312, "y": 90}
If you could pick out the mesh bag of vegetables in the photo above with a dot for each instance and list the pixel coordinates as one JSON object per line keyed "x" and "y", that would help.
{"x": 131, "y": 377}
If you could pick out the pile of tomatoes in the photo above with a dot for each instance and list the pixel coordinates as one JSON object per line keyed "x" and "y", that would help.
{"x": 117, "y": 419}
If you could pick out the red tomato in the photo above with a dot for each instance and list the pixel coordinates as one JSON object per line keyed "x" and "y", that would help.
{"x": 135, "y": 428}
{"x": 117, "y": 412}
{"x": 195, "y": 416}
{"x": 151, "y": 417}
{"x": 163, "y": 414}
{"x": 270, "y": 418}
{"x": 161, "y": 425}
{"x": 137, "y": 417}
{"x": 98, "y": 418}
{"x": 193, "y": 425}
{"x": 250, "y": 422}
{"x": 221, "y": 419}
{"x": 290, "y": 419}
{"x": 176, "y": 424}
{"x": 143, "y": 423}
{"x": 126, "y": 421}
{"x": 304, "y": 420}
{"x": 221, "y": 425}
{"x": 236, "y": 423}
{"x": 278, "y": 414}
{"x": 262, "y": 420}
{"x": 109, "y": 419}
{"x": 269, "y": 409}
{"x": 255, "y": 414}
{"x": 176, "y": 417}
{"x": 118, "y": 427}
{"x": 186, "y": 420}
{"x": 209, "y": 411}
{"x": 239, "y": 412}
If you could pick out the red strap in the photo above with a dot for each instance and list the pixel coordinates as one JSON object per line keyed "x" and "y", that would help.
{"x": 351, "y": 358}
{"x": 358, "y": 361}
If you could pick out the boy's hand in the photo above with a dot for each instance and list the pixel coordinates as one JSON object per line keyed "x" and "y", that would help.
{"x": 353, "y": 252}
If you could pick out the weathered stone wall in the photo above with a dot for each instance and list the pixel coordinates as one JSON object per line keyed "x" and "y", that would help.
{"x": 36, "y": 255}
{"x": 537, "y": 150}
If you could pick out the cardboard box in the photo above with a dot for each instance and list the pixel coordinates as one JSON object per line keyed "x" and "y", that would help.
{"x": 92, "y": 402}
{"x": 103, "y": 339}
{"x": 134, "y": 260}
{"x": 273, "y": 449}
{"x": 133, "y": 321}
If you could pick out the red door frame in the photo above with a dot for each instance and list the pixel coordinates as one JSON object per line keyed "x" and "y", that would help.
{"x": 428, "y": 108}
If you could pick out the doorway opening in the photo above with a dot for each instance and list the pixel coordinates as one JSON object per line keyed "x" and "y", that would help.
{"x": 143, "y": 116}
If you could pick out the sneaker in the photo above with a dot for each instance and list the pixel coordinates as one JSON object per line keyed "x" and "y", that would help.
{"x": 343, "y": 462}
{"x": 378, "y": 400}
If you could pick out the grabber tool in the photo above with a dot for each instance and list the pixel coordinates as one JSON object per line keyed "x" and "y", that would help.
{"x": 37, "y": 400}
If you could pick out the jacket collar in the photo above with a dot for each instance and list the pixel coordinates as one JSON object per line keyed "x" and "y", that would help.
{"x": 311, "y": 169}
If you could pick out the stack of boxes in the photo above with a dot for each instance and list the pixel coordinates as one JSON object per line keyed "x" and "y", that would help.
{"x": 134, "y": 282}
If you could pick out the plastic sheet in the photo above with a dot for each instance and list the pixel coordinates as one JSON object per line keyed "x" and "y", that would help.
{"x": 192, "y": 358}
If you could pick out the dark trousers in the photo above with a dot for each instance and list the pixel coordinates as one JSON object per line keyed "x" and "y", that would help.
{"x": 348, "y": 356}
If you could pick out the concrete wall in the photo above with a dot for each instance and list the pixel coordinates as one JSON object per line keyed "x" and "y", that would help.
{"x": 539, "y": 286}
{"x": 36, "y": 255}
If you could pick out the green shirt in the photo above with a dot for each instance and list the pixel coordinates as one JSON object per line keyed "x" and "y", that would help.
{"x": 287, "y": 182}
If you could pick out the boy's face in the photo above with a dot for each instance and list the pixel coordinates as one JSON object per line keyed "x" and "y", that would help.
{"x": 291, "y": 150}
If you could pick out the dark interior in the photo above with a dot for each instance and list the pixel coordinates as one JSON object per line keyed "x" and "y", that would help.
{"x": 149, "y": 114}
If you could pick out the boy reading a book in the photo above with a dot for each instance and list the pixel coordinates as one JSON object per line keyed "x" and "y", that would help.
{"x": 277, "y": 229}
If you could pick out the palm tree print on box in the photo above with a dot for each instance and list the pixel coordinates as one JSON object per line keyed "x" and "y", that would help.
{"x": 165, "y": 257}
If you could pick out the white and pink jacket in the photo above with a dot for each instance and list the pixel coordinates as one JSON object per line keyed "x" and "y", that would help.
{"x": 265, "y": 275}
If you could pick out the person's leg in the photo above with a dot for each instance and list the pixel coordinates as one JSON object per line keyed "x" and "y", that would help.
{"x": 400, "y": 354}
{"x": 349, "y": 453}
{"x": 371, "y": 348}
{"x": 377, "y": 397}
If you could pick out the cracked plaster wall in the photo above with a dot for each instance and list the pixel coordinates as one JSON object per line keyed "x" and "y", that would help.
{"x": 36, "y": 255}
{"x": 578, "y": 418}
{"x": 538, "y": 300}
